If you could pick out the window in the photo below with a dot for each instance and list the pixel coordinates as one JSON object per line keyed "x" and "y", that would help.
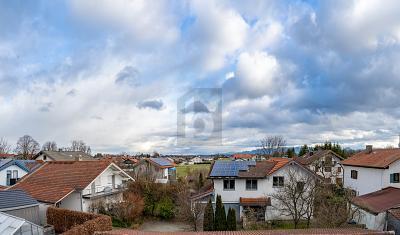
{"x": 277, "y": 181}
{"x": 300, "y": 186}
{"x": 251, "y": 184}
{"x": 8, "y": 177}
{"x": 229, "y": 184}
{"x": 395, "y": 178}
{"x": 15, "y": 174}
{"x": 327, "y": 169}
{"x": 44, "y": 157}
{"x": 353, "y": 174}
{"x": 339, "y": 169}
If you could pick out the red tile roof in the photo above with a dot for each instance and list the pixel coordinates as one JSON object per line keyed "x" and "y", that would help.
{"x": 378, "y": 158}
{"x": 379, "y": 201}
{"x": 56, "y": 179}
{"x": 310, "y": 157}
{"x": 7, "y": 155}
{"x": 279, "y": 163}
{"x": 243, "y": 156}
{"x": 317, "y": 231}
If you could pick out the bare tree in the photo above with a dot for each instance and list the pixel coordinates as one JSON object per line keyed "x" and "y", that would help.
{"x": 273, "y": 145}
{"x": 79, "y": 145}
{"x": 4, "y": 146}
{"x": 189, "y": 210}
{"x": 27, "y": 147}
{"x": 50, "y": 146}
{"x": 293, "y": 199}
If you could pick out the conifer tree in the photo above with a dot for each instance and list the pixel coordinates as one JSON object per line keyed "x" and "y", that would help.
{"x": 231, "y": 220}
{"x": 208, "y": 221}
{"x": 220, "y": 215}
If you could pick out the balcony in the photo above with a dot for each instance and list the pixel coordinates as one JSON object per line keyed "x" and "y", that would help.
{"x": 102, "y": 190}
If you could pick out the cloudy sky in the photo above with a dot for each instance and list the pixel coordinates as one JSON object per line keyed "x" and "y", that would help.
{"x": 122, "y": 75}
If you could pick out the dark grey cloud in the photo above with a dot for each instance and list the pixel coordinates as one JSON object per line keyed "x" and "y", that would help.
{"x": 46, "y": 107}
{"x": 72, "y": 92}
{"x": 128, "y": 75}
{"x": 151, "y": 104}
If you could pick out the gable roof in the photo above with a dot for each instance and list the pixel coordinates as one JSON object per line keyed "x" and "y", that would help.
{"x": 55, "y": 180}
{"x": 310, "y": 157}
{"x": 65, "y": 155}
{"x": 378, "y": 158}
{"x": 161, "y": 162}
{"x": 26, "y": 165}
{"x": 379, "y": 201}
{"x": 247, "y": 169}
{"x": 15, "y": 198}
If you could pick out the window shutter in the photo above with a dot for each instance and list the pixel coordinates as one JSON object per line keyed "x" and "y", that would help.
{"x": 391, "y": 178}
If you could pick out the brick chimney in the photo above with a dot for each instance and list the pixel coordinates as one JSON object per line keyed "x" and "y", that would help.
{"x": 368, "y": 148}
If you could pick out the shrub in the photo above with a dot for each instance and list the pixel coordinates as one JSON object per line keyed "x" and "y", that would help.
{"x": 81, "y": 223}
{"x": 165, "y": 208}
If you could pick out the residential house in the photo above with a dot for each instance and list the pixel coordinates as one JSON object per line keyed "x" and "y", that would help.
{"x": 372, "y": 170}
{"x": 12, "y": 170}
{"x": 373, "y": 209}
{"x": 250, "y": 184}
{"x": 394, "y": 220}
{"x": 248, "y": 157}
{"x": 75, "y": 185}
{"x": 63, "y": 156}
{"x": 195, "y": 160}
{"x": 126, "y": 163}
{"x": 20, "y": 204}
{"x": 161, "y": 170}
{"x": 7, "y": 155}
{"x": 325, "y": 163}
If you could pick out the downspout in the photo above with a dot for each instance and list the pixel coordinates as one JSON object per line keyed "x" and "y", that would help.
{"x": 80, "y": 193}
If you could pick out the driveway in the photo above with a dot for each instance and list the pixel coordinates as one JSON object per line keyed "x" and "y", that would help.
{"x": 164, "y": 226}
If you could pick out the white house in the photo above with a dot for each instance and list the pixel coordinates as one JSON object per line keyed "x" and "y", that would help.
{"x": 372, "y": 170}
{"x": 249, "y": 184}
{"x": 75, "y": 185}
{"x": 373, "y": 209}
{"x": 12, "y": 170}
{"x": 325, "y": 163}
{"x": 195, "y": 160}
{"x": 161, "y": 170}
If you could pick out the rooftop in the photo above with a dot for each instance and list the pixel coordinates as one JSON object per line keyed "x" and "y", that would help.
{"x": 310, "y": 157}
{"x": 15, "y": 198}
{"x": 26, "y": 165}
{"x": 378, "y": 158}
{"x": 54, "y": 180}
{"x": 162, "y": 162}
{"x": 379, "y": 201}
{"x": 66, "y": 155}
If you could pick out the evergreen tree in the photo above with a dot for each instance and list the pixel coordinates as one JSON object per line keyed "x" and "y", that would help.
{"x": 220, "y": 215}
{"x": 201, "y": 180}
{"x": 208, "y": 221}
{"x": 290, "y": 153}
{"x": 303, "y": 150}
{"x": 231, "y": 220}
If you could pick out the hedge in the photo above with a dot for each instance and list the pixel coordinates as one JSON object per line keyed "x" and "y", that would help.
{"x": 75, "y": 222}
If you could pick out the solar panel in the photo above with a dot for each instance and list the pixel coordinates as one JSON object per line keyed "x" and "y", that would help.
{"x": 161, "y": 161}
{"x": 230, "y": 168}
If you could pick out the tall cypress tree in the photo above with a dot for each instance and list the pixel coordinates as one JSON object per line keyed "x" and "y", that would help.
{"x": 220, "y": 215}
{"x": 231, "y": 220}
{"x": 208, "y": 221}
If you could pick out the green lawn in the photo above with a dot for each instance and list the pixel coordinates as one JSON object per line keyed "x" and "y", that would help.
{"x": 182, "y": 171}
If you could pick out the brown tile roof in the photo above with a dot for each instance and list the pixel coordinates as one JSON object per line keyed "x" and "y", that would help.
{"x": 257, "y": 201}
{"x": 379, "y": 201}
{"x": 310, "y": 157}
{"x": 279, "y": 163}
{"x": 54, "y": 180}
{"x": 317, "y": 231}
{"x": 378, "y": 158}
{"x": 260, "y": 170}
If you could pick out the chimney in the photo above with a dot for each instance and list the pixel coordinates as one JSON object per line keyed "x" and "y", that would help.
{"x": 368, "y": 148}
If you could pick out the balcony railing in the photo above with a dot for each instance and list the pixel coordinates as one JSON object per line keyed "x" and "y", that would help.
{"x": 104, "y": 189}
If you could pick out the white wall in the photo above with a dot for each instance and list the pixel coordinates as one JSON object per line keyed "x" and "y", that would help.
{"x": 393, "y": 168}
{"x": 105, "y": 180}
{"x": 72, "y": 202}
{"x": 371, "y": 221}
{"x": 368, "y": 179}
{"x": 3, "y": 174}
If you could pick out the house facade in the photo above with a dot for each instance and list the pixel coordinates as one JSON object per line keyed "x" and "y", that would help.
{"x": 75, "y": 185}
{"x": 245, "y": 185}
{"x": 12, "y": 170}
{"x": 324, "y": 163}
{"x": 161, "y": 170}
{"x": 372, "y": 170}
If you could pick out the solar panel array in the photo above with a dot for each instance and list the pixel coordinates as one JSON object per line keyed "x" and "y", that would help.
{"x": 230, "y": 168}
{"x": 161, "y": 161}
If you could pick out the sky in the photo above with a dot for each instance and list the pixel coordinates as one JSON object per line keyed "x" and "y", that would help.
{"x": 199, "y": 76}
